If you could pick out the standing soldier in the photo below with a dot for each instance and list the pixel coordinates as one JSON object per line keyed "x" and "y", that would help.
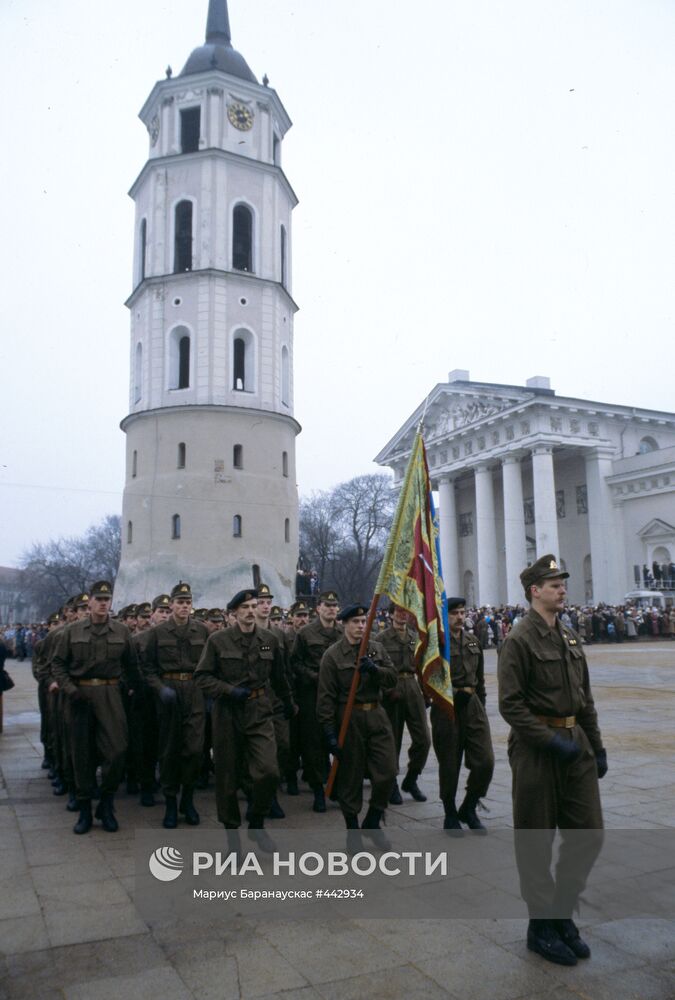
{"x": 170, "y": 656}
{"x": 468, "y": 736}
{"x": 298, "y": 616}
{"x": 147, "y": 705}
{"x": 238, "y": 667}
{"x": 369, "y": 743}
{"x": 308, "y": 649}
{"x": 263, "y": 613}
{"x": 92, "y": 656}
{"x": 405, "y": 703}
{"x": 556, "y": 757}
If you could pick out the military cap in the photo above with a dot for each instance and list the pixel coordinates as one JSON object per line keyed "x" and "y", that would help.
{"x": 144, "y": 610}
{"x": 181, "y": 590}
{"x": 102, "y": 588}
{"x": 81, "y": 601}
{"x": 200, "y": 613}
{"x": 215, "y": 615}
{"x": 161, "y": 601}
{"x": 54, "y": 618}
{"x": 299, "y": 608}
{"x": 456, "y": 602}
{"x": 275, "y": 613}
{"x": 240, "y": 597}
{"x": 352, "y": 611}
{"x": 70, "y": 603}
{"x": 545, "y": 568}
{"x": 328, "y": 597}
{"x": 264, "y": 591}
{"x": 128, "y": 612}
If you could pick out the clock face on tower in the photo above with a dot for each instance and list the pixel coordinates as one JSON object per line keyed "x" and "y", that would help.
{"x": 240, "y": 116}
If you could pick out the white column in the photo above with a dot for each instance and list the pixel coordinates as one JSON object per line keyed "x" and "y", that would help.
{"x": 447, "y": 523}
{"x": 545, "y": 514}
{"x": 515, "y": 544}
{"x": 486, "y": 537}
{"x": 609, "y": 571}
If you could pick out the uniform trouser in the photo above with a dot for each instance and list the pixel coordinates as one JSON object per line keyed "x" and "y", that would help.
{"x": 281, "y": 735}
{"x": 98, "y": 730}
{"x": 549, "y": 794}
{"x": 405, "y": 706}
{"x": 65, "y": 752}
{"x": 45, "y": 727}
{"x": 135, "y": 730}
{"x": 310, "y": 733}
{"x": 369, "y": 746}
{"x": 468, "y": 737}
{"x": 293, "y": 746}
{"x": 243, "y": 735}
{"x": 143, "y": 749}
{"x": 181, "y": 737}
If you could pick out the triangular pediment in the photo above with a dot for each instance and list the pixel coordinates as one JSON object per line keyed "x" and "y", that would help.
{"x": 453, "y": 409}
{"x": 656, "y": 528}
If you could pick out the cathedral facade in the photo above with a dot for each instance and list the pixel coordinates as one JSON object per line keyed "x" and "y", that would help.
{"x": 521, "y": 471}
{"x": 210, "y": 494}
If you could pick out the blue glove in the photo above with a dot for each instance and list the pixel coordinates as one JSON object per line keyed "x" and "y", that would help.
{"x": 601, "y": 763}
{"x": 367, "y": 666}
{"x": 565, "y": 750}
{"x": 333, "y": 748}
{"x": 167, "y": 695}
{"x": 240, "y": 693}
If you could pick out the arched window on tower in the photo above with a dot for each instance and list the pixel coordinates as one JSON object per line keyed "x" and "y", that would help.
{"x": 190, "y": 121}
{"x": 243, "y": 363}
{"x": 236, "y": 526}
{"x": 138, "y": 372}
{"x": 242, "y": 238}
{"x": 142, "y": 247}
{"x": 284, "y": 273}
{"x": 175, "y": 526}
{"x": 179, "y": 358}
{"x": 285, "y": 376}
{"x": 284, "y": 464}
{"x": 180, "y": 464}
{"x": 130, "y": 532}
{"x": 182, "y": 256}
{"x": 238, "y": 456}
{"x": 287, "y": 530}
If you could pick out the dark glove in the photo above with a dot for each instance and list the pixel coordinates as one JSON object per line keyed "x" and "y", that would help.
{"x": 77, "y": 695}
{"x": 461, "y": 698}
{"x": 167, "y": 695}
{"x": 240, "y": 693}
{"x": 367, "y": 666}
{"x": 333, "y": 748}
{"x": 289, "y": 710}
{"x": 565, "y": 750}
{"x": 601, "y": 763}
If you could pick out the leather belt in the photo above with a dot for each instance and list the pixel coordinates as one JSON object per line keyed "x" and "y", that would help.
{"x": 96, "y": 681}
{"x": 466, "y": 690}
{"x": 257, "y": 693}
{"x": 559, "y": 722}
{"x": 187, "y": 676}
{"x": 407, "y": 673}
{"x": 366, "y": 706}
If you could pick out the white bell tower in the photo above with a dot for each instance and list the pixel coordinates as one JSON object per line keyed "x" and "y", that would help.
{"x": 210, "y": 493}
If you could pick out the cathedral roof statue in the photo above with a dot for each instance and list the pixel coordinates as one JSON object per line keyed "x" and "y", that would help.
{"x": 217, "y": 51}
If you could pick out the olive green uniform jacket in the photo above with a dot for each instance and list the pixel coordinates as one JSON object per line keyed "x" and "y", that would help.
{"x": 405, "y": 703}
{"x": 310, "y": 643}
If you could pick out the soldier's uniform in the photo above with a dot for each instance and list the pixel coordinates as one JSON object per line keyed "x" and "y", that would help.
{"x": 42, "y": 674}
{"x": 240, "y": 671}
{"x": 468, "y": 735}
{"x": 405, "y": 706}
{"x": 89, "y": 662}
{"x": 556, "y": 755}
{"x": 144, "y": 745}
{"x": 170, "y": 656}
{"x": 369, "y": 741}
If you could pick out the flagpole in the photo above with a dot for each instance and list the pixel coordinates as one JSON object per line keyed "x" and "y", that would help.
{"x": 351, "y": 698}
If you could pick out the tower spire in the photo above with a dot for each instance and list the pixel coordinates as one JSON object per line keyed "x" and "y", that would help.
{"x": 218, "y": 23}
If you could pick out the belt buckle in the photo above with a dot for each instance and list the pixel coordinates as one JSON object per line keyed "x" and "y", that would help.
{"x": 570, "y": 721}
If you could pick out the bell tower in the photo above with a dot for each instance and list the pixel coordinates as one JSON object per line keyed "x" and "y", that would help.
{"x": 210, "y": 492}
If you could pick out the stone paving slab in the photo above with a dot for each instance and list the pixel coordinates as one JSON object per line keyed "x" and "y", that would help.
{"x": 68, "y": 928}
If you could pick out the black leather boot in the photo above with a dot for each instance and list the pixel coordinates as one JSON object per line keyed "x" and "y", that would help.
{"x": 58, "y": 787}
{"x": 569, "y": 933}
{"x": 371, "y": 828}
{"x": 259, "y": 835}
{"x": 276, "y": 812}
{"x": 292, "y": 784}
{"x": 467, "y": 814}
{"x": 319, "y": 800}
{"x": 72, "y": 804}
{"x": 147, "y": 797}
{"x": 543, "y": 938}
{"x": 170, "y": 821}
{"x": 395, "y": 799}
{"x": 409, "y": 785}
{"x": 451, "y": 823}
{"x": 85, "y": 818}
{"x": 187, "y": 808}
{"x": 106, "y": 813}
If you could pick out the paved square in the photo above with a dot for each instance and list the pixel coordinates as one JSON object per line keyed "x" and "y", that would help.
{"x": 68, "y": 926}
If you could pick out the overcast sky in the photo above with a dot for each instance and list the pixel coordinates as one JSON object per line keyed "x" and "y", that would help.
{"x": 484, "y": 185}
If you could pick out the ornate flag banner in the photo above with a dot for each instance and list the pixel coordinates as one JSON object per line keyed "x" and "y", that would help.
{"x": 411, "y": 576}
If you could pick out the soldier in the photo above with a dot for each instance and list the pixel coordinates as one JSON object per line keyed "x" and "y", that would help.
{"x": 308, "y": 648}
{"x": 556, "y": 757}
{"x": 128, "y": 617}
{"x": 405, "y": 703}
{"x": 138, "y": 619}
{"x": 263, "y": 613}
{"x": 468, "y": 735}
{"x": 298, "y": 616}
{"x": 236, "y": 670}
{"x": 42, "y": 674}
{"x": 92, "y": 656}
{"x": 171, "y": 653}
{"x": 369, "y": 743}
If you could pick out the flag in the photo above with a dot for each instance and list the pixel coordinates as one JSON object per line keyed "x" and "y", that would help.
{"x": 411, "y": 577}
